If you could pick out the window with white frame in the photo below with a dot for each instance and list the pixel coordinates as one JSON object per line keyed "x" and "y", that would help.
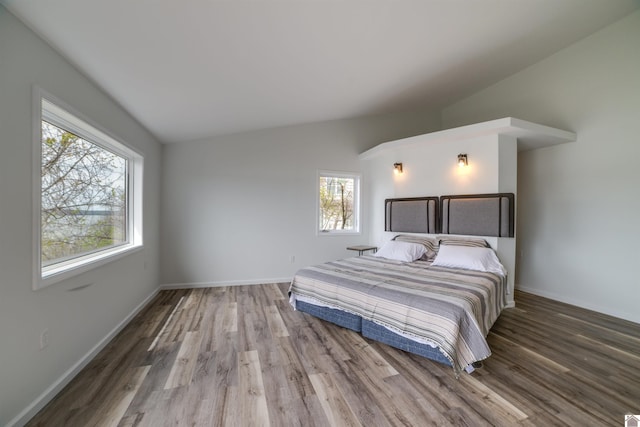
{"x": 88, "y": 194}
{"x": 338, "y": 203}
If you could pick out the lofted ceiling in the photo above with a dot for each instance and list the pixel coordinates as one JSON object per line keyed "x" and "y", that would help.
{"x": 193, "y": 69}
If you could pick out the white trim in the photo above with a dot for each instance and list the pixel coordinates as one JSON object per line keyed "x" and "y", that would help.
{"x": 218, "y": 284}
{"x": 85, "y": 263}
{"x": 76, "y": 122}
{"x": 36, "y": 185}
{"x": 578, "y": 303}
{"x": 41, "y": 401}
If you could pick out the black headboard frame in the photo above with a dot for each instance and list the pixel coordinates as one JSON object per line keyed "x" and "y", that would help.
{"x": 478, "y": 214}
{"x": 472, "y": 214}
{"x": 412, "y": 215}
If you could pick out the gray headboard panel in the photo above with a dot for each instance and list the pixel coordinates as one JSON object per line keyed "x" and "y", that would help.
{"x": 478, "y": 214}
{"x": 411, "y": 215}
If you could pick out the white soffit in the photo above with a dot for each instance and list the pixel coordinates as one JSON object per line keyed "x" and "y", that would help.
{"x": 529, "y": 135}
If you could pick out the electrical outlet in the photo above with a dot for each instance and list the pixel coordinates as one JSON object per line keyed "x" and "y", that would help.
{"x": 292, "y": 259}
{"x": 44, "y": 339}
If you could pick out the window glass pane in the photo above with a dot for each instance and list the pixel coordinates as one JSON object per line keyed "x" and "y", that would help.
{"x": 337, "y": 203}
{"x": 84, "y": 196}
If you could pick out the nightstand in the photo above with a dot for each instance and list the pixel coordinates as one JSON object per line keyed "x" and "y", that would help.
{"x": 362, "y": 249}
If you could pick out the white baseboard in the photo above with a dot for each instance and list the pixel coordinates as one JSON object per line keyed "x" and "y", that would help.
{"x": 553, "y": 296}
{"x": 41, "y": 401}
{"x": 218, "y": 284}
{"x": 579, "y": 303}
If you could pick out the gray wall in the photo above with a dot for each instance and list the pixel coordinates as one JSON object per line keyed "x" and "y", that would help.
{"x": 579, "y": 204}
{"x": 77, "y": 321}
{"x": 236, "y": 208}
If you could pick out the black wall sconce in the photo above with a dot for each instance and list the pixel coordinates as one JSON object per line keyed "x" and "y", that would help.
{"x": 397, "y": 168}
{"x": 462, "y": 160}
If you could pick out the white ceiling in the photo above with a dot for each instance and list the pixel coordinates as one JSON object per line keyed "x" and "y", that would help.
{"x": 192, "y": 69}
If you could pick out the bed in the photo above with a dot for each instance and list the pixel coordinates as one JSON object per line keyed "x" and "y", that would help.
{"x": 435, "y": 296}
{"x": 438, "y": 312}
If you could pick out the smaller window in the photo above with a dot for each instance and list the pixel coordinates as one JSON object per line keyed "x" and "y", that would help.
{"x": 338, "y": 203}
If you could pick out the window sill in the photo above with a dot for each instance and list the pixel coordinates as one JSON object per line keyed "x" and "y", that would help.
{"x": 55, "y": 274}
{"x": 338, "y": 233}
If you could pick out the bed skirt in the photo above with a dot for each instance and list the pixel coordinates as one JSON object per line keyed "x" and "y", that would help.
{"x": 372, "y": 330}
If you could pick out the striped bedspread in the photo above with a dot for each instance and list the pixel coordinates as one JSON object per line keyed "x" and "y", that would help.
{"x": 450, "y": 308}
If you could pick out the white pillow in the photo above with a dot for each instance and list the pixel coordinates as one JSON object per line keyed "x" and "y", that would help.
{"x": 401, "y": 251}
{"x": 469, "y": 258}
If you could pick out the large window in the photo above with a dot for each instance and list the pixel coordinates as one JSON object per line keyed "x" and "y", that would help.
{"x": 88, "y": 203}
{"x": 338, "y": 203}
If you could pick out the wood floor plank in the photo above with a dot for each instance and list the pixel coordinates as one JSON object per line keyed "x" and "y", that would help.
{"x": 367, "y": 356}
{"x": 182, "y": 371}
{"x": 212, "y": 326}
{"x": 278, "y": 390}
{"x": 498, "y": 405}
{"x": 276, "y": 325}
{"x": 307, "y": 412}
{"x": 329, "y": 338}
{"x": 240, "y": 355}
{"x": 335, "y": 406}
{"x": 227, "y": 409}
{"x": 498, "y": 341}
{"x": 186, "y": 318}
{"x": 404, "y": 395}
{"x": 107, "y": 368}
{"x": 163, "y": 333}
{"x": 150, "y": 324}
{"x": 315, "y": 357}
{"x": 146, "y": 399}
{"x": 294, "y": 370}
{"x": 114, "y": 406}
{"x": 230, "y": 319}
{"x": 429, "y": 384}
{"x": 217, "y": 381}
{"x": 394, "y": 404}
{"x": 289, "y": 315}
{"x": 251, "y": 390}
{"x": 537, "y": 390}
{"x": 273, "y": 292}
{"x": 361, "y": 399}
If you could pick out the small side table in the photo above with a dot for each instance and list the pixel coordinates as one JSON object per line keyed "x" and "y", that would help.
{"x": 362, "y": 249}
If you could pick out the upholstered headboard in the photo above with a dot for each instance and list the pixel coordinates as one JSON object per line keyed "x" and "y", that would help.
{"x": 411, "y": 215}
{"x": 478, "y": 214}
{"x": 473, "y": 214}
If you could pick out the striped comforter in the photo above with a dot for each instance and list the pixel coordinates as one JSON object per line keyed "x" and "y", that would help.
{"x": 450, "y": 308}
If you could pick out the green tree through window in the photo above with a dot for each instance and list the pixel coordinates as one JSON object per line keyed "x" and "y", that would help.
{"x": 338, "y": 203}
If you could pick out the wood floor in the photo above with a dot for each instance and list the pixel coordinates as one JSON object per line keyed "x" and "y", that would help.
{"x": 240, "y": 356}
